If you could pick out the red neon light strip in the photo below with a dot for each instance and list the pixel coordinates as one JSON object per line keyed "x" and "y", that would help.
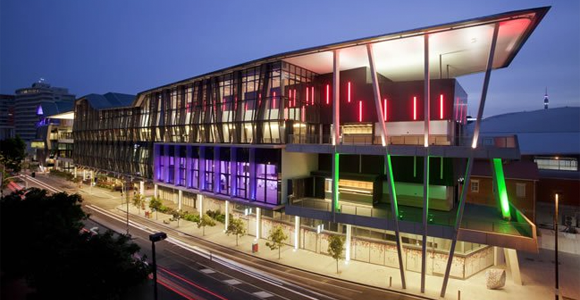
{"x": 307, "y": 96}
{"x": 312, "y": 95}
{"x": 414, "y": 108}
{"x": 327, "y": 94}
{"x": 441, "y": 106}
{"x": 303, "y": 114}
{"x": 294, "y": 97}
{"x": 385, "y": 109}
{"x": 274, "y": 100}
{"x": 360, "y": 111}
{"x": 348, "y": 93}
{"x": 191, "y": 283}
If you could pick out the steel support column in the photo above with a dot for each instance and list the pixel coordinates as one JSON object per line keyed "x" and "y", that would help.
{"x": 485, "y": 86}
{"x": 388, "y": 167}
{"x": 426, "y": 118}
{"x": 425, "y": 217}
{"x": 458, "y": 218}
{"x": 336, "y": 129}
{"x": 395, "y": 215}
{"x": 377, "y": 95}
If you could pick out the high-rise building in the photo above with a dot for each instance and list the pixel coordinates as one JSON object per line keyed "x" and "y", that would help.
{"x": 363, "y": 138}
{"x": 28, "y": 109}
{"x": 6, "y": 116}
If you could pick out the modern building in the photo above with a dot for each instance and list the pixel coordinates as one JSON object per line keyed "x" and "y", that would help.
{"x": 363, "y": 138}
{"x": 53, "y": 142}
{"x": 6, "y": 116}
{"x": 28, "y": 104}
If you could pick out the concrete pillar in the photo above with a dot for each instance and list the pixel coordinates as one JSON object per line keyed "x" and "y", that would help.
{"x": 200, "y": 204}
{"x": 75, "y": 172}
{"x": 348, "y": 242}
{"x": 84, "y": 175}
{"x": 513, "y": 265}
{"x": 227, "y": 223}
{"x": 296, "y": 232}
{"x": 92, "y": 177}
{"x": 179, "y": 199}
{"x": 498, "y": 256}
{"x": 155, "y": 190}
{"x": 258, "y": 223}
{"x": 142, "y": 187}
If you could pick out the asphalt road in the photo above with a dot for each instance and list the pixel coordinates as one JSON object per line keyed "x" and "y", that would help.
{"x": 185, "y": 261}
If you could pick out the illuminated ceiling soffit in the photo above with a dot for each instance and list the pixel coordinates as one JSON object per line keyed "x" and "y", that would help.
{"x": 452, "y": 53}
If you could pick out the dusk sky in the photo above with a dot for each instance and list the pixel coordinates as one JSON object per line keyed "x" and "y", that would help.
{"x": 132, "y": 46}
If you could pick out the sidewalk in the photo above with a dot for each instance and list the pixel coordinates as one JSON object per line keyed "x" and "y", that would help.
{"x": 537, "y": 270}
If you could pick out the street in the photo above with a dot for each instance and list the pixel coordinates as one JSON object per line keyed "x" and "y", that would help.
{"x": 193, "y": 268}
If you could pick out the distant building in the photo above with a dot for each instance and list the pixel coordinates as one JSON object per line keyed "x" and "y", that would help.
{"x": 6, "y": 116}
{"x": 28, "y": 107}
{"x": 53, "y": 142}
{"x": 551, "y": 139}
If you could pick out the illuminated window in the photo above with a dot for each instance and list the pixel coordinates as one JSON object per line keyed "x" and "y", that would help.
{"x": 521, "y": 190}
{"x": 475, "y": 186}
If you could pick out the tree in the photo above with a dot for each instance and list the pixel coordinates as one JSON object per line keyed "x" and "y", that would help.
{"x": 336, "y": 248}
{"x": 12, "y": 153}
{"x": 48, "y": 243}
{"x": 155, "y": 205}
{"x": 138, "y": 201}
{"x": 205, "y": 220}
{"x": 276, "y": 239}
{"x": 237, "y": 228}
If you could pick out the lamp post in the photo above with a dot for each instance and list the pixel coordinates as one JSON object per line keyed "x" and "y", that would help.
{"x": 155, "y": 237}
{"x": 129, "y": 180}
{"x": 556, "y": 245}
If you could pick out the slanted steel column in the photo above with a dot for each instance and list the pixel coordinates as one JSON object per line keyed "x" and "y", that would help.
{"x": 485, "y": 86}
{"x": 388, "y": 168}
{"x": 377, "y": 94}
{"x": 426, "y": 117}
{"x": 395, "y": 214}
{"x": 336, "y": 129}
{"x": 458, "y": 218}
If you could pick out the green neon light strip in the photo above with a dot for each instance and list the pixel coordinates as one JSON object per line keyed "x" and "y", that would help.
{"x": 501, "y": 188}
{"x": 335, "y": 181}
{"x": 393, "y": 190}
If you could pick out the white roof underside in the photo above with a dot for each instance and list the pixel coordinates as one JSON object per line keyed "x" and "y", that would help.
{"x": 453, "y": 51}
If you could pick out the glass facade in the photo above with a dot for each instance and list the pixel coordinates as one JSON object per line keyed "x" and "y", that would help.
{"x": 244, "y": 173}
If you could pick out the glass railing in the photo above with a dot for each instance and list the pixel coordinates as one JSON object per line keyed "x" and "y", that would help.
{"x": 519, "y": 225}
{"x": 413, "y": 140}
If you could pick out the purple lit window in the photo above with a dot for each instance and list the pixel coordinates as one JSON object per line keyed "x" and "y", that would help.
{"x": 267, "y": 184}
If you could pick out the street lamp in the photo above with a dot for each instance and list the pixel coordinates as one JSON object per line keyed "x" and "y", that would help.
{"x": 155, "y": 237}
{"x": 556, "y": 245}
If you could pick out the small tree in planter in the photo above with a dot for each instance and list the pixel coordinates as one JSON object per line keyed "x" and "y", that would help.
{"x": 138, "y": 201}
{"x": 204, "y": 221}
{"x": 276, "y": 239}
{"x": 155, "y": 205}
{"x": 336, "y": 248}
{"x": 237, "y": 228}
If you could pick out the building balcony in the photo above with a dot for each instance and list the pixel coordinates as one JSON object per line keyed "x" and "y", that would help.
{"x": 480, "y": 224}
{"x": 409, "y": 145}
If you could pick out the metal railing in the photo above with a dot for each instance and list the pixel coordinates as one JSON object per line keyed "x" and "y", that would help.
{"x": 517, "y": 226}
{"x": 415, "y": 140}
